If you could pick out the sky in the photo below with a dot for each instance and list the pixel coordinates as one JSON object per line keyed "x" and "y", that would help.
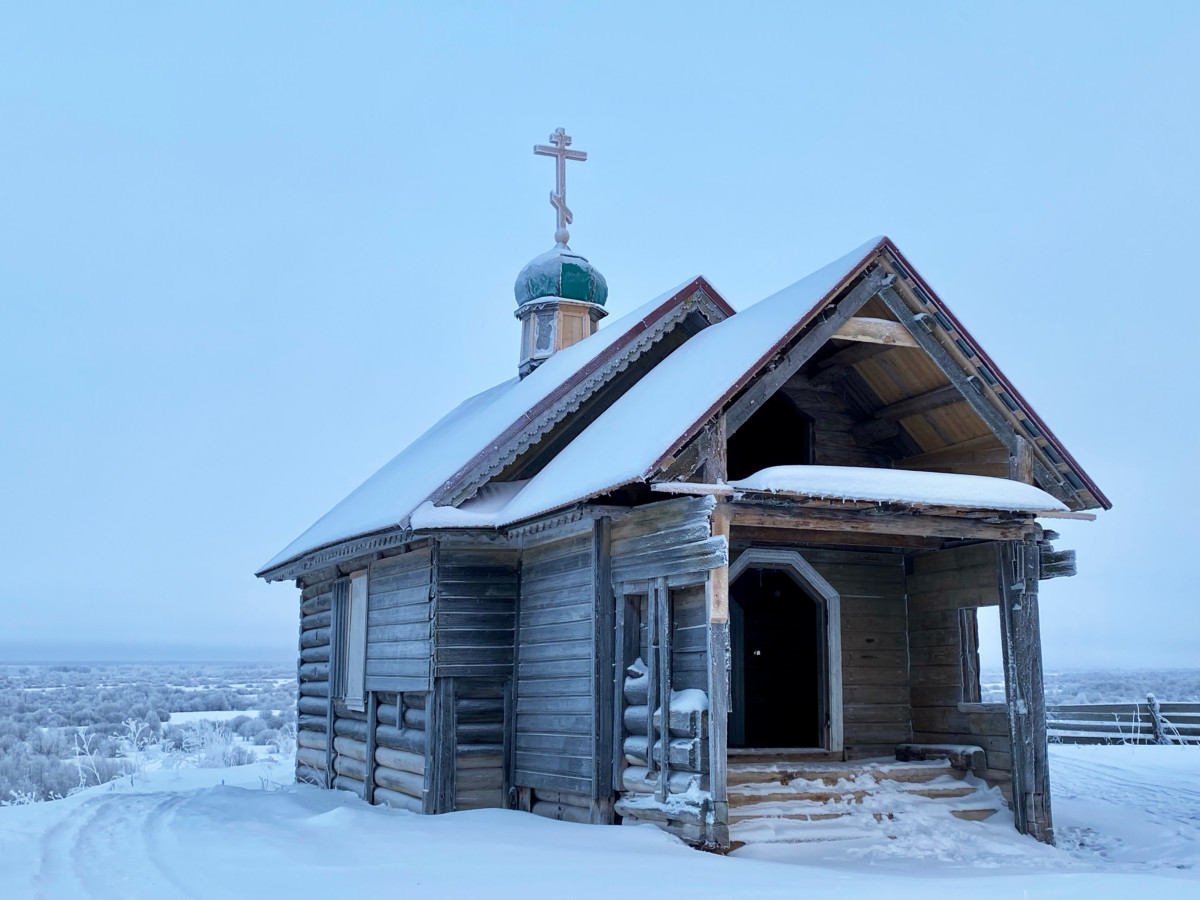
{"x": 248, "y": 252}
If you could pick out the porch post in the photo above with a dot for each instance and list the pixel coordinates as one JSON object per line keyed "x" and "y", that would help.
{"x": 717, "y": 591}
{"x": 1021, "y": 637}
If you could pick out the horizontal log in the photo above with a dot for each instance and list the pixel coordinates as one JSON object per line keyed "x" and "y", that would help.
{"x": 400, "y": 739}
{"x": 690, "y": 815}
{"x": 397, "y": 800}
{"x": 321, "y": 619}
{"x": 684, "y": 723}
{"x": 355, "y": 768}
{"x": 479, "y": 756}
{"x": 312, "y": 723}
{"x": 350, "y": 728}
{"x": 342, "y": 711}
{"x": 311, "y": 757}
{"x": 347, "y": 746}
{"x": 682, "y": 753}
{"x": 639, "y": 779}
{"x": 400, "y": 760}
{"x": 315, "y": 654}
{"x": 314, "y": 689}
{"x": 313, "y": 706}
{"x": 875, "y": 331}
{"x": 318, "y": 637}
{"x": 635, "y": 690}
{"x": 317, "y": 604}
{"x": 489, "y": 779}
{"x": 401, "y": 782}
{"x": 870, "y": 522}
{"x": 347, "y": 783}
{"x": 313, "y": 739}
{"x": 318, "y": 671}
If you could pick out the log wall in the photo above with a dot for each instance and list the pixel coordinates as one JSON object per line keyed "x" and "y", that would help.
{"x": 312, "y": 712}
{"x": 940, "y": 584}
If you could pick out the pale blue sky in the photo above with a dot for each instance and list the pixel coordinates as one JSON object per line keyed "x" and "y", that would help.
{"x": 248, "y": 252}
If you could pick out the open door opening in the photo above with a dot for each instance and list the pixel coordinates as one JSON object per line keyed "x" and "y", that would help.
{"x": 778, "y": 683}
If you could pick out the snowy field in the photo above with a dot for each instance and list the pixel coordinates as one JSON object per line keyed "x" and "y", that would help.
{"x": 1128, "y": 820}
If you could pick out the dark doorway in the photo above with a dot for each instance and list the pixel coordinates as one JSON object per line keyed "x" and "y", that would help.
{"x": 778, "y": 434}
{"x": 777, "y": 638}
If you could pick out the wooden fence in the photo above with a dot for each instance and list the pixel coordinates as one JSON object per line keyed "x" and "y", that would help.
{"x": 1124, "y": 723}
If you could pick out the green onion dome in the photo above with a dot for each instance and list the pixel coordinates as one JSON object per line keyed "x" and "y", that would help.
{"x": 561, "y": 272}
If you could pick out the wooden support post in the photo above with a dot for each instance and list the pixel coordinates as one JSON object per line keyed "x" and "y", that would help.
{"x": 662, "y": 597}
{"x": 441, "y": 746}
{"x": 513, "y": 795}
{"x": 508, "y": 788}
{"x": 1021, "y": 638}
{"x": 372, "y": 724}
{"x": 606, "y": 674}
{"x": 1020, "y": 462}
{"x": 337, "y": 664}
{"x": 717, "y": 597}
{"x": 651, "y": 662}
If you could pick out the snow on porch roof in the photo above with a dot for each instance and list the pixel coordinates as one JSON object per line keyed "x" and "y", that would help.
{"x": 900, "y": 486}
{"x": 386, "y": 498}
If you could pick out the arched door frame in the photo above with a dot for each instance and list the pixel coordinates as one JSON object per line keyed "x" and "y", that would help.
{"x": 802, "y": 572}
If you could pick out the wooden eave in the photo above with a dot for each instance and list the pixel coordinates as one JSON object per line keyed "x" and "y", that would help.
{"x": 698, "y": 296}
{"x": 1061, "y": 476}
{"x": 1021, "y": 413}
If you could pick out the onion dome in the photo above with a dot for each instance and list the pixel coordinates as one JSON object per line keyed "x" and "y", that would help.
{"x": 561, "y": 272}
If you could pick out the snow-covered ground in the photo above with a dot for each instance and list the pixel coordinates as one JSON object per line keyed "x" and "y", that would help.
{"x": 1128, "y": 820}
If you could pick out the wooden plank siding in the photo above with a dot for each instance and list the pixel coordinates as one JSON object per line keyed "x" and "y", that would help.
{"x": 399, "y": 622}
{"x": 939, "y": 585}
{"x": 554, "y": 733}
{"x": 475, "y": 611}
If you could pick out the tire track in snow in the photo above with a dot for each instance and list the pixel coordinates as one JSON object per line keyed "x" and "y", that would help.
{"x": 101, "y": 849}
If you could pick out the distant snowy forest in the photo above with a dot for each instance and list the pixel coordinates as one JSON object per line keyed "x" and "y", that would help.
{"x": 64, "y": 727}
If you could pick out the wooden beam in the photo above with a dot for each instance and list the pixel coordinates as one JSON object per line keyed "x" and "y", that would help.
{"x": 747, "y": 535}
{"x": 980, "y": 451}
{"x": 969, "y": 387}
{"x": 869, "y": 522}
{"x": 661, "y": 596}
{"x": 1020, "y": 634}
{"x": 922, "y": 403}
{"x": 1020, "y": 463}
{"x": 818, "y": 334}
{"x": 717, "y": 597}
{"x": 875, "y": 331}
{"x": 873, "y": 431}
{"x": 848, "y": 356}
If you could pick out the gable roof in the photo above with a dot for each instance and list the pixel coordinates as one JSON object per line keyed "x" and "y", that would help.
{"x": 494, "y": 418}
{"x": 634, "y": 437}
{"x": 630, "y": 440}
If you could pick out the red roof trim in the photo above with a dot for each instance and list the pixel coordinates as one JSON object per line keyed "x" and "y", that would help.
{"x": 1021, "y": 402}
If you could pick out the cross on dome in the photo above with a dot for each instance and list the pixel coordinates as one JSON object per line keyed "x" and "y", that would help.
{"x": 558, "y": 197}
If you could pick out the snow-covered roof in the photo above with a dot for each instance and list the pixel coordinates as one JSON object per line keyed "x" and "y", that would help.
{"x": 387, "y": 498}
{"x": 900, "y": 486}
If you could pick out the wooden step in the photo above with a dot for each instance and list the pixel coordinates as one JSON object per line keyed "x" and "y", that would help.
{"x": 748, "y": 798}
{"x": 830, "y": 774}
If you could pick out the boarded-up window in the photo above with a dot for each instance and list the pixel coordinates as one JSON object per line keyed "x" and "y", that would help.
{"x": 356, "y": 642}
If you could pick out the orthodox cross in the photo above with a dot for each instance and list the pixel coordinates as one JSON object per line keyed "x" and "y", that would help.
{"x": 558, "y": 197}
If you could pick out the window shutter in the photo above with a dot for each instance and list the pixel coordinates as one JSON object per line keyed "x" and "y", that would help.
{"x": 356, "y": 643}
{"x": 337, "y": 641}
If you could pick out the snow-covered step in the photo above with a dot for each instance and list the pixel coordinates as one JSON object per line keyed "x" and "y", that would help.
{"x": 832, "y": 773}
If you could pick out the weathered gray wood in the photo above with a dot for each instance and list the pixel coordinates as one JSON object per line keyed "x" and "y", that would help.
{"x": 442, "y": 727}
{"x": 662, "y": 597}
{"x": 402, "y": 739}
{"x": 397, "y": 800}
{"x": 603, "y": 653}
{"x": 1021, "y": 636}
{"x": 400, "y": 760}
{"x": 372, "y": 724}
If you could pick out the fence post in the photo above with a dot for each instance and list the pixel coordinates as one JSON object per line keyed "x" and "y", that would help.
{"x": 1157, "y": 722}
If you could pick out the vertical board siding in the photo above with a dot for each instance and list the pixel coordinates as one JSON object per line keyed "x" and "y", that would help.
{"x": 399, "y": 622}
{"x": 942, "y": 583}
{"x": 476, "y": 611}
{"x": 554, "y": 735}
{"x": 875, "y": 691}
